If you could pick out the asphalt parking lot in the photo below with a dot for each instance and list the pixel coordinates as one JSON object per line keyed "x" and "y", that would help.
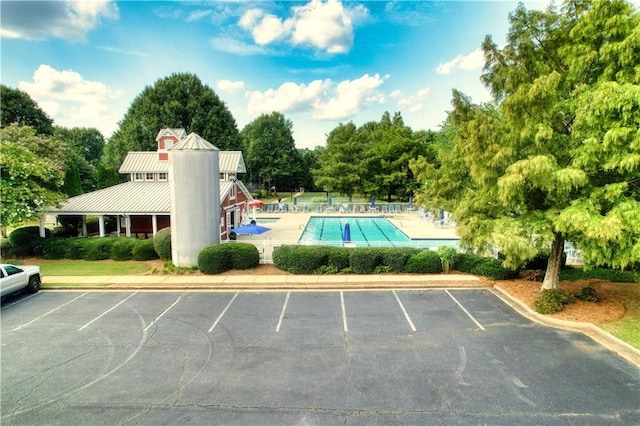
{"x": 333, "y": 357}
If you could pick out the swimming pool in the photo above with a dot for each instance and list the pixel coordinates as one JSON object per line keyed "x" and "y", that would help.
{"x": 365, "y": 231}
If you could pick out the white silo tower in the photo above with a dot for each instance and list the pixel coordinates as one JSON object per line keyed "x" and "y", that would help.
{"x": 194, "y": 178}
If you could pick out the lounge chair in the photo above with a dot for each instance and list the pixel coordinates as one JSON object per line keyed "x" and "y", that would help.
{"x": 270, "y": 208}
{"x": 318, "y": 208}
{"x": 383, "y": 208}
{"x": 305, "y": 208}
{"x": 276, "y": 209}
{"x": 284, "y": 208}
{"x": 398, "y": 209}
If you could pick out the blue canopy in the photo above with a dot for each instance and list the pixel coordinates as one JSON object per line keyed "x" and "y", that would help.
{"x": 251, "y": 229}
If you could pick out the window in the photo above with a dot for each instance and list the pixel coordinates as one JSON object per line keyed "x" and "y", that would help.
{"x": 12, "y": 270}
{"x": 138, "y": 176}
{"x": 162, "y": 176}
{"x": 148, "y": 176}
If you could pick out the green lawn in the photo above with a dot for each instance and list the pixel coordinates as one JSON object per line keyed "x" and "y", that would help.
{"x": 68, "y": 267}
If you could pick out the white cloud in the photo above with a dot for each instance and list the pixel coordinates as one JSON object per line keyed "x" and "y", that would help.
{"x": 231, "y": 45}
{"x": 70, "y": 20}
{"x": 325, "y": 25}
{"x": 469, "y": 62}
{"x": 324, "y": 99}
{"x": 72, "y": 101}
{"x": 228, "y": 86}
{"x": 411, "y": 103}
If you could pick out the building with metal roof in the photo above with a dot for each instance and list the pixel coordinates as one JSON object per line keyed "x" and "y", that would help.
{"x": 142, "y": 206}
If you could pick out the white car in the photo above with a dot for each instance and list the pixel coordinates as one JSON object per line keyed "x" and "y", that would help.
{"x": 14, "y": 278}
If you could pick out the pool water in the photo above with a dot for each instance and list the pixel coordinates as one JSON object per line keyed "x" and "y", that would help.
{"x": 365, "y": 231}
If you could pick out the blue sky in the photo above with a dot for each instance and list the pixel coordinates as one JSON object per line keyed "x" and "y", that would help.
{"x": 320, "y": 63}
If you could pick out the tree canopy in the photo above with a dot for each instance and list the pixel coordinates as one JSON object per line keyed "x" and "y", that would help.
{"x": 31, "y": 173}
{"x": 556, "y": 157}
{"x": 18, "y": 108}
{"x": 270, "y": 152}
{"x": 177, "y": 101}
{"x": 373, "y": 158}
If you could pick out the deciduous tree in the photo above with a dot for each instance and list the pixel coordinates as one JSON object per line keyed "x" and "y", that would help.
{"x": 177, "y": 101}
{"x": 31, "y": 174}
{"x": 18, "y": 108}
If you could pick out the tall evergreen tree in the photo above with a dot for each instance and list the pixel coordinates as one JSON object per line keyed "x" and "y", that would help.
{"x": 557, "y": 156}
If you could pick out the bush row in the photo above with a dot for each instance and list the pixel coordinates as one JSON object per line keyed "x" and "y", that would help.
{"x": 118, "y": 248}
{"x": 224, "y": 257}
{"x": 486, "y": 266}
{"x": 300, "y": 259}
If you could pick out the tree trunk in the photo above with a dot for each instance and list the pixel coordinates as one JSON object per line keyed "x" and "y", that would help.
{"x": 552, "y": 276}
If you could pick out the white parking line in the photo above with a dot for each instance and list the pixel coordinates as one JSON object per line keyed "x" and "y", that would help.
{"x": 106, "y": 312}
{"x": 284, "y": 308}
{"x": 50, "y": 312}
{"x": 344, "y": 313}
{"x": 223, "y": 312}
{"x": 156, "y": 319}
{"x": 404, "y": 311}
{"x": 465, "y": 311}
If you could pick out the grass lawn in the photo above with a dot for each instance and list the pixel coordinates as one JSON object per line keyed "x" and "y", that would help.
{"x": 628, "y": 328}
{"x": 67, "y": 267}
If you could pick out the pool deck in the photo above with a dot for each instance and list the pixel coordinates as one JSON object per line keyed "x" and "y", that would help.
{"x": 289, "y": 228}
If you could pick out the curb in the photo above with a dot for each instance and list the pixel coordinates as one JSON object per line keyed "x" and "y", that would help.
{"x": 607, "y": 340}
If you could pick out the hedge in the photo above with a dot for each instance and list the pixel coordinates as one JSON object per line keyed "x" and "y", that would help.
{"x": 144, "y": 250}
{"x": 300, "y": 259}
{"x": 220, "y": 258}
{"x": 396, "y": 258}
{"x": 364, "y": 260}
{"x": 424, "y": 262}
{"x": 122, "y": 249}
{"x": 487, "y": 266}
{"x": 162, "y": 243}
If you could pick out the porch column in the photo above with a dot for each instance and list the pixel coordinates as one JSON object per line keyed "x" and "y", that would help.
{"x": 101, "y": 223}
{"x": 42, "y": 231}
{"x": 118, "y": 225}
{"x": 84, "y": 226}
{"x": 154, "y": 224}
{"x": 127, "y": 222}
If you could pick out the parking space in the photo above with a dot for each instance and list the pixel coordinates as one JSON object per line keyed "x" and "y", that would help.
{"x": 351, "y": 357}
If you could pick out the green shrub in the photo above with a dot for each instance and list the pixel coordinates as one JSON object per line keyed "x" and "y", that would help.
{"x": 98, "y": 248}
{"x": 573, "y": 274}
{"x": 243, "y": 255}
{"x": 26, "y": 241}
{"x": 338, "y": 258}
{"x": 588, "y": 294}
{"x": 75, "y": 248}
{"x": 54, "y": 248}
{"x": 327, "y": 270}
{"x": 447, "y": 257}
{"x": 162, "y": 243}
{"x": 425, "y": 262}
{"x": 466, "y": 262}
{"x": 551, "y": 301}
{"x": 215, "y": 259}
{"x": 6, "y": 249}
{"x": 363, "y": 260}
{"x": 122, "y": 248}
{"x": 396, "y": 257}
{"x": 492, "y": 268}
{"x": 144, "y": 250}
{"x": 307, "y": 259}
{"x": 282, "y": 257}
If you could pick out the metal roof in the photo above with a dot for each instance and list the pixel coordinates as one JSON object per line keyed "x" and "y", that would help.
{"x": 177, "y": 133}
{"x": 128, "y": 197}
{"x": 142, "y": 198}
{"x": 148, "y": 162}
{"x": 194, "y": 142}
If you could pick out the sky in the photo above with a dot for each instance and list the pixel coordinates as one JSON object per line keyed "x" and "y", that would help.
{"x": 318, "y": 62}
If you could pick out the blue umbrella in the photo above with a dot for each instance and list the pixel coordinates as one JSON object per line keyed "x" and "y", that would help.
{"x": 251, "y": 229}
{"x": 346, "y": 234}
{"x": 373, "y": 201}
